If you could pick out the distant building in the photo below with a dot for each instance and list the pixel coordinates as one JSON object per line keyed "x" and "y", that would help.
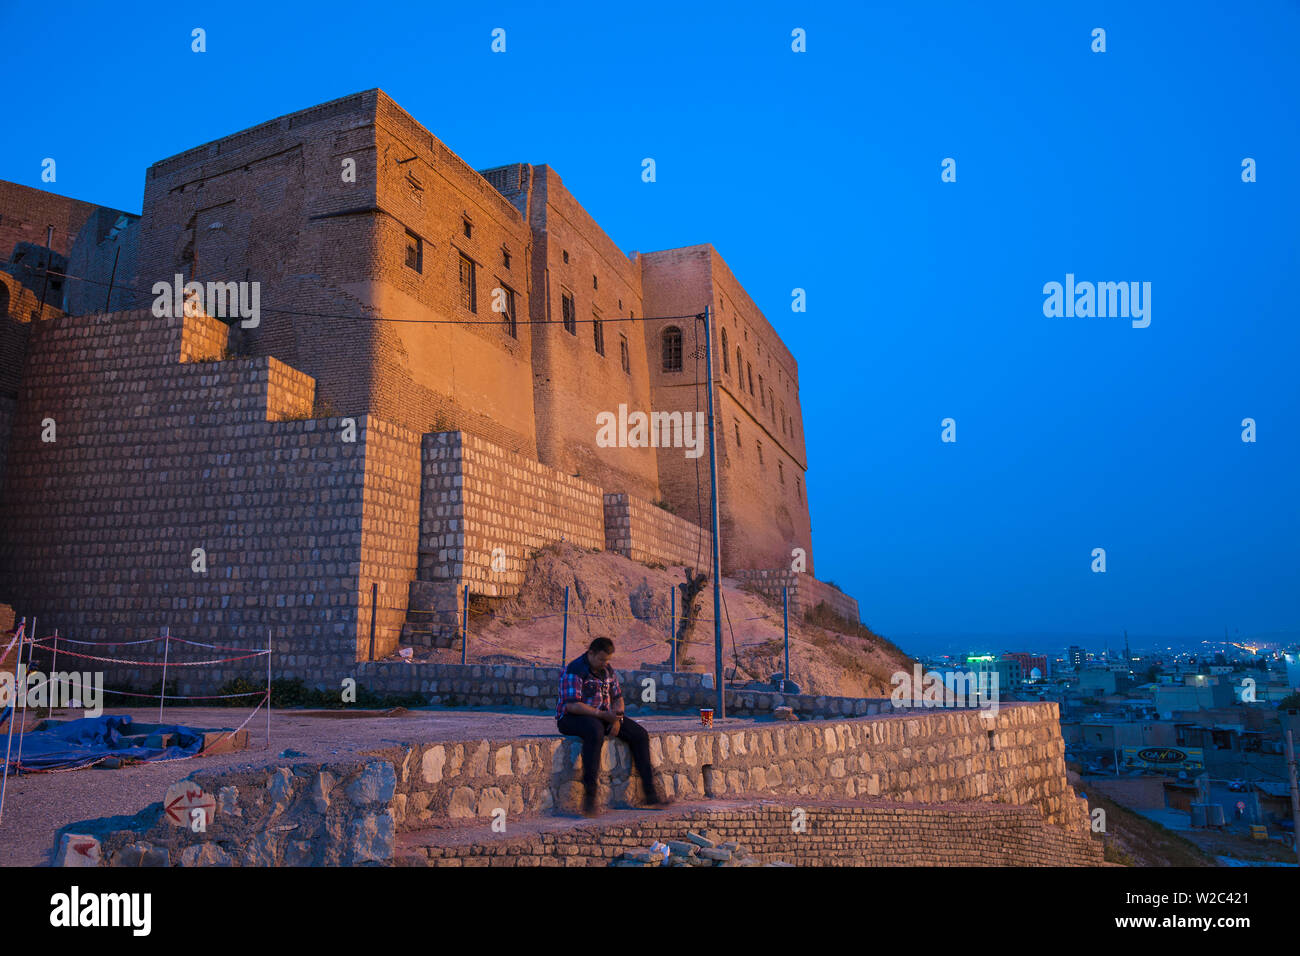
{"x": 1292, "y": 660}
{"x": 1112, "y": 734}
{"x": 1194, "y": 695}
{"x": 1029, "y": 663}
{"x": 1100, "y": 681}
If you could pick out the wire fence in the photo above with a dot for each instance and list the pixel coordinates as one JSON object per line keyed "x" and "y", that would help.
{"x": 14, "y": 711}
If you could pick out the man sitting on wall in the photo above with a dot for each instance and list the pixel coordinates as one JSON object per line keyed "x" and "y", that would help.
{"x": 591, "y": 707}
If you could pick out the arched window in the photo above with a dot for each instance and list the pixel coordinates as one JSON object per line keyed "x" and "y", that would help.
{"x": 672, "y": 349}
{"x": 726, "y": 359}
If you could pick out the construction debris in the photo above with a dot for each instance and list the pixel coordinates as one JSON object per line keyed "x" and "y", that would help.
{"x": 698, "y": 849}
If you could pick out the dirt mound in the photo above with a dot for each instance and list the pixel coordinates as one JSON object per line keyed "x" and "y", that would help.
{"x": 611, "y": 596}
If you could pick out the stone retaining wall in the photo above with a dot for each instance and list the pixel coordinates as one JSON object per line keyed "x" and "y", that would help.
{"x": 502, "y": 685}
{"x": 644, "y": 532}
{"x": 478, "y": 498}
{"x": 301, "y": 815}
{"x": 176, "y": 446}
{"x": 873, "y": 835}
{"x": 1016, "y": 756}
{"x": 298, "y": 814}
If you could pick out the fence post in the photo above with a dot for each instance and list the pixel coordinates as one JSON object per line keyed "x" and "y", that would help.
{"x": 672, "y": 623}
{"x": 53, "y": 667}
{"x": 785, "y": 624}
{"x": 374, "y": 613}
{"x": 31, "y": 649}
{"x": 162, "y": 691}
{"x": 9, "y": 745}
{"x": 564, "y": 639}
{"x": 464, "y": 626}
{"x": 268, "y": 683}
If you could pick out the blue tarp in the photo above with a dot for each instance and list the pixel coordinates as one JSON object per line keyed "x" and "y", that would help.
{"x": 77, "y": 743}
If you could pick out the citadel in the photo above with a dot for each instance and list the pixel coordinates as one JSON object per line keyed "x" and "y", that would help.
{"x": 470, "y": 325}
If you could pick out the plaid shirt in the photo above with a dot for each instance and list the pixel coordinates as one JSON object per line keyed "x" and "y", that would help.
{"x": 579, "y": 683}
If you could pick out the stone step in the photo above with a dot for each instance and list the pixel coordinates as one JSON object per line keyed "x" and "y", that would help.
{"x": 429, "y": 635}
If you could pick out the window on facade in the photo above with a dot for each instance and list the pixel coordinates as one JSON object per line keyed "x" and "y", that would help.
{"x": 508, "y": 315}
{"x": 414, "y": 252}
{"x": 737, "y": 436}
{"x": 798, "y": 488}
{"x": 594, "y": 284}
{"x": 672, "y": 349}
{"x": 566, "y": 257}
{"x": 468, "y": 228}
{"x": 726, "y": 360}
{"x": 505, "y": 258}
{"x": 762, "y": 399}
{"x": 624, "y": 356}
{"x": 568, "y": 313}
{"x": 468, "y": 284}
{"x": 759, "y": 445}
{"x": 749, "y": 369}
{"x": 598, "y": 332}
{"x": 740, "y": 366}
{"x": 780, "y": 471}
{"x": 771, "y": 405}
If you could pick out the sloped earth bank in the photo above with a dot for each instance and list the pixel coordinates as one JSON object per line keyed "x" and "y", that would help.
{"x": 611, "y": 596}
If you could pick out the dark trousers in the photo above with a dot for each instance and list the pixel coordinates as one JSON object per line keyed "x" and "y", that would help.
{"x": 592, "y": 731}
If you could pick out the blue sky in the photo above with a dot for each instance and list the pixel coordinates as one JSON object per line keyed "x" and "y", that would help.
{"x": 821, "y": 171}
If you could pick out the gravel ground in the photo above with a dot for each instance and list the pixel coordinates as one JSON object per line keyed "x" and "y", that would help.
{"x": 38, "y": 805}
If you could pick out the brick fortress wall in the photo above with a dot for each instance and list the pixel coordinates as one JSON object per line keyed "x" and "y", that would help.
{"x": 763, "y": 511}
{"x": 175, "y": 446}
{"x": 167, "y": 449}
{"x": 26, "y": 214}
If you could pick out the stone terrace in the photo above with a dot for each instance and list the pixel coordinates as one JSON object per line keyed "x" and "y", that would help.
{"x": 436, "y": 770}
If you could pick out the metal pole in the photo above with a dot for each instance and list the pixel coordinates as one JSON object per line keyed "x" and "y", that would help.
{"x": 53, "y": 667}
{"x": 717, "y": 554}
{"x": 268, "y": 688}
{"x": 1295, "y": 789}
{"x": 31, "y": 649}
{"x": 374, "y": 613}
{"x": 113, "y": 275}
{"x": 564, "y": 639}
{"x": 4, "y": 783}
{"x": 49, "y": 257}
{"x": 162, "y": 691}
{"x": 464, "y": 625}
{"x": 785, "y": 624}
{"x": 672, "y": 624}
